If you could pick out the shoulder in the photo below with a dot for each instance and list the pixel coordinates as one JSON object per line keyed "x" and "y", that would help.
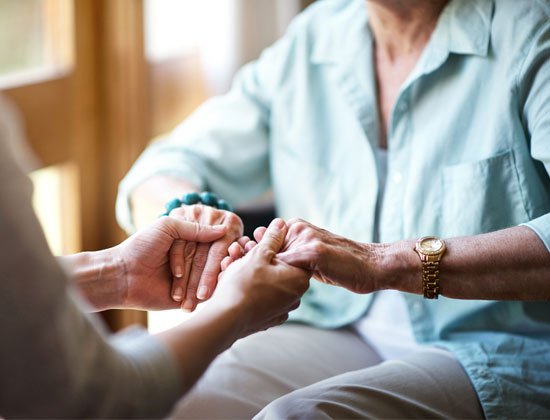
{"x": 322, "y": 26}
{"x": 519, "y": 23}
{"x": 520, "y": 33}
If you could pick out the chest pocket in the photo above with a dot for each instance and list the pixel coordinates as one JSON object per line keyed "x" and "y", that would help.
{"x": 482, "y": 196}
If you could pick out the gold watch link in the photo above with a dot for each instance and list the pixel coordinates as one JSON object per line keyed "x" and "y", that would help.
{"x": 430, "y": 249}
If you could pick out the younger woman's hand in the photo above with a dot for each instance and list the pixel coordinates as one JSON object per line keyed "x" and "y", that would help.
{"x": 260, "y": 286}
{"x": 149, "y": 258}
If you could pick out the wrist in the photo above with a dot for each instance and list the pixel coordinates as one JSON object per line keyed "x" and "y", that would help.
{"x": 101, "y": 277}
{"x": 400, "y": 267}
{"x": 206, "y": 198}
{"x": 228, "y": 317}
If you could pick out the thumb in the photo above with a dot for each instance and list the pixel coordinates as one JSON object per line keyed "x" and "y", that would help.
{"x": 273, "y": 238}
{"x": 195, "y": 232}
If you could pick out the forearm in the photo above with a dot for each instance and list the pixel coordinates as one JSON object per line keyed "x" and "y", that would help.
{"x": 100, "y": 276}
{"x": 511, "y": 264}
{"x": 149, "y": 198}
{"x": 196, "y": 342}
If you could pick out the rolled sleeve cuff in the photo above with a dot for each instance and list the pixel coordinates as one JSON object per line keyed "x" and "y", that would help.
{"x": 541, "y": 226}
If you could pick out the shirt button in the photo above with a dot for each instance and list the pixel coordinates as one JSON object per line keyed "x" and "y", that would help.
{"x": 417, "y": 307}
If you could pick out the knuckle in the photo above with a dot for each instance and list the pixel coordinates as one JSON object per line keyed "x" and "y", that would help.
{"x": 196, "y": 211}
{"x": 269, "y": 253}
{"x": 300, "y": 226}
{"x": 243, "y": 240}
{"x": 294, "y": 220}
{"x": 232, "y": 219}
{"x": 178, "y": 212}
{"x": 189, "y": 250}
{"x": 197, "y": 229}
{"x": 318, "y": 247}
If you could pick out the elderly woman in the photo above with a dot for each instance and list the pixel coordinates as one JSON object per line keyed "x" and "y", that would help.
{"x": 383, "y": 121}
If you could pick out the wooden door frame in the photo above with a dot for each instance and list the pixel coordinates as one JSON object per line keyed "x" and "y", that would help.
{"x": 95, "y": 115}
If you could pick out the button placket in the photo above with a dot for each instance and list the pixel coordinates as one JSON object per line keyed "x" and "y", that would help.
{"x": 391, "y": 228}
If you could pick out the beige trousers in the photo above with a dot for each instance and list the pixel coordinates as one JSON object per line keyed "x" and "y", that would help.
{"x": 296, "y": 371}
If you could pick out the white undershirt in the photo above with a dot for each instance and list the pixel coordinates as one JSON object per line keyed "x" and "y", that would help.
{"x": 387, "y": 325}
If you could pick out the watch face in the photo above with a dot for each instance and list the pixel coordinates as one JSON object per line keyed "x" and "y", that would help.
{"x": 431, "y": 245}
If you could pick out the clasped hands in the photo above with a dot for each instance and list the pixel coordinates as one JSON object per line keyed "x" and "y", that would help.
{"x": 198, "y": 253}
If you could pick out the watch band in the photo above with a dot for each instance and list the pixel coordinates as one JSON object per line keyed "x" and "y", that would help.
{"x": 430, "y": 278}
{"x": 430, "y": 249}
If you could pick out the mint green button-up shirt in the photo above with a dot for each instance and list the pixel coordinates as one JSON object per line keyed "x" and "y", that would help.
{"x": 469, "y": 152}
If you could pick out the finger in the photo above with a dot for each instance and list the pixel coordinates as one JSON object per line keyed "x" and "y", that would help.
{"x": 177, "y": 268}
{"x": 189, "y": 253}
{"x": 212, "y": 267}
{"x": 243, "y": 240}
{"x": 302, "y": 258}
{"x": 195, "y": 232}
{"x": 249, "y": 246}
{"x": 259, "y": 233}
{"x": 226, "y": 262}
{"x": 179, "y": 284}
{"x": 235, "y": 250}
{"x": 273, "y": 239}
{"x": 216, "y": 253}
{"x": 176, "y": 258}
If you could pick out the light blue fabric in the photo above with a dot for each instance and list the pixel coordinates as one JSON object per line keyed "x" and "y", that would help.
{"x": 469, "y": 152}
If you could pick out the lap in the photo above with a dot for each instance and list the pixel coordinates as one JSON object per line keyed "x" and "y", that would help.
{"x": 267, "y": 365}
{"x": 297, "y": 371}
{"x": 427, "y": 384}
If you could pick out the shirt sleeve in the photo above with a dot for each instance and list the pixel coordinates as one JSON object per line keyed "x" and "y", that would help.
{"x": 55, "y": 360}
{"x": 223, "y": 146}
{"x": 534, "y": 86}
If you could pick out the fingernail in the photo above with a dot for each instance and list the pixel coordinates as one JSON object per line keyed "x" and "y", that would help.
{"x": 202, "y": 293}
{"x": 218, "y": 228}
{"x": 177, "y": 294}
{"x": 178, "y": 272}
{"x": 278, "y": 223}
{"x": 188, "y": 305}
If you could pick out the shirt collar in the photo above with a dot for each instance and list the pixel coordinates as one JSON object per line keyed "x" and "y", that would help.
{"x": 345, "y": 34}
{"x": 464, "y": 27}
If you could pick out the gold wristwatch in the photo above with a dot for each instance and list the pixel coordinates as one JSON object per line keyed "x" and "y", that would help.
{"x": 430, "y": 249}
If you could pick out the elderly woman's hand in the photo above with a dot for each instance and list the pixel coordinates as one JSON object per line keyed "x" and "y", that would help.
{"x": 331, "y": 258}
{"x": 196, "y": 266}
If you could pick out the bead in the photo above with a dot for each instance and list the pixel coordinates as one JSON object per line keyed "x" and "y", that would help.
{"x": 224, "y": 205}
{"x": 209, "y": 199}
{"x": 206, "y": 198}
{"x": 191, "y": 198}
{"x": 173, "y": 204}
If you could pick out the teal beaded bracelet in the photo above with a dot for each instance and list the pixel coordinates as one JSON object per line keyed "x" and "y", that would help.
{"x": 205, "y": 197}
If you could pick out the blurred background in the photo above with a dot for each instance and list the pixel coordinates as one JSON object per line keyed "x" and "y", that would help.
{"x": 96, "y": 80}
